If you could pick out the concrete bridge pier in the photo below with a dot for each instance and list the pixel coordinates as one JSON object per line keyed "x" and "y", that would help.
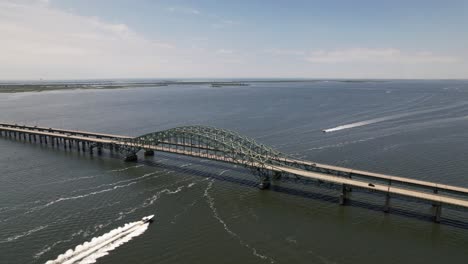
{"x": 264, "y": 183}
{"x": 343, "y": 195}
{"x": 264, "y": 176}
{"x": 131, "y": 157}
{"x": 277, "y": 175}
{"x": 437, "y": 212}
{"x": 435, "y": 191}
{"x": 387, "y": 203}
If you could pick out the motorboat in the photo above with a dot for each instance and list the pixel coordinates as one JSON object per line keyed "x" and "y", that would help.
{"x": 148, "y": 219}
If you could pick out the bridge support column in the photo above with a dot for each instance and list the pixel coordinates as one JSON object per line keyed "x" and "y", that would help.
{"x": 277, "y": 175}
{"x": 387, "y": 203}
{"x": 437, "y": 213}
{"x": 434, "y": 204}
{"x": 343, "y": 195}
{"x": 131, "y": 157}
{"x": 264, "y": 183}
{"x": 83, "y": 146}
{"x": 149, "y": 153}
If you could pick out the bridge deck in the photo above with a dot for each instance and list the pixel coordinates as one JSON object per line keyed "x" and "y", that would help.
{"x": 59, "y": 130}
{"x": 437, "y": 198}
{"x": 58, "y": 135}
{"x": 385, "y": 188}
{"x": 362, "y": 173}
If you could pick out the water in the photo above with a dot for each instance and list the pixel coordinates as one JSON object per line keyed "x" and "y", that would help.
{"x": 52, "y": 200}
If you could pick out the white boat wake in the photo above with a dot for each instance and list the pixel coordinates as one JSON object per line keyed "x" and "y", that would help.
{"x": 90, "y": 251}
{"x": 391, "y": 117}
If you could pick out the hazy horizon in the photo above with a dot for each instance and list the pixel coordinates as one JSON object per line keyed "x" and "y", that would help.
{"x": 67, "y": 39}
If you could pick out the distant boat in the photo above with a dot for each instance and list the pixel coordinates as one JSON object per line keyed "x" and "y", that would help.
{"x": 148, "y": 219}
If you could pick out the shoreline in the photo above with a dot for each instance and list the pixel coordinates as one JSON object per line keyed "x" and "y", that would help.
{"x": 38, "y": 87}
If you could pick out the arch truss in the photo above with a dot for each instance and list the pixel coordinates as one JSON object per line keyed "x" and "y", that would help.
{"x": 208, "y": 142}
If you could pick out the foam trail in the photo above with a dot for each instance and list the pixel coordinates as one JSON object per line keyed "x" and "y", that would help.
{"x": 90, "y": 251}
{"x": 127, "y": 168}
{"x": 87, "y": 194}
{"x": 61, "y": 199}
{"x": 115, "y": 183}
{"x": 211, "y": 203}
{"x": 391, "y": 117}
{"x": 27, "y": 233}
{"x": 221, "y": 173}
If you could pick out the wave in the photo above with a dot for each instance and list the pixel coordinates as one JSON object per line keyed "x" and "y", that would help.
{"x": 118, "y": 182}
{"x": 127, "y": 168}
{"x": 90, "y": 251}
{"x": 152, "y": 199}
{"x": 27, "y": 233}
{"x": 90, "y": 176}
{"x": 61, "y": 199}
{"x": 88, "y": 194}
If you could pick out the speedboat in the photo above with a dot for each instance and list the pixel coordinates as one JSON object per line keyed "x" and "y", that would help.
{"x": 148, "y": 219}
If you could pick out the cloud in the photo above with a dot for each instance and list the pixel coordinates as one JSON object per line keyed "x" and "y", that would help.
{"x": 285, "y": 52}
{"x": 41, "y": 42}
{"x": 224, "y": 23}
{"x": 184, "y": 10}
{"x": 224, "y": 51}
{"x": 388, "y": 55}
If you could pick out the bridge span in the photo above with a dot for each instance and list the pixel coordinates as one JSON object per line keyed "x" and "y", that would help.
{"x": 266, "y": 163}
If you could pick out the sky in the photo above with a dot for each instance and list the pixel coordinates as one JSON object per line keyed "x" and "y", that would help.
{"x": 89, "y": 39}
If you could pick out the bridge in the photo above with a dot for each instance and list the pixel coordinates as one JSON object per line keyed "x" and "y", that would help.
{"x": 266, "y": 163}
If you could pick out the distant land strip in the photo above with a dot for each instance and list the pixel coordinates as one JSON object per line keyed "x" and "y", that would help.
{"x": 18, "y": 87}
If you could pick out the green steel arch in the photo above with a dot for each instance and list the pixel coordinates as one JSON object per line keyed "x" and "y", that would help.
{"x": 226, "y": 143}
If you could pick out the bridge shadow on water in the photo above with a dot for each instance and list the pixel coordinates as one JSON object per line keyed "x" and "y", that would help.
{"x": 309, "y": 194}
